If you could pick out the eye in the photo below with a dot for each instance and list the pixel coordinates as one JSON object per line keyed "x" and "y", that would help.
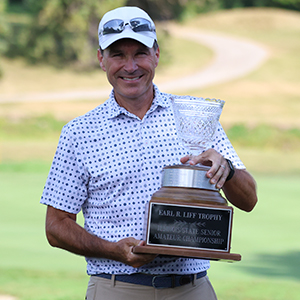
{"x": 140, "y": 53}
{"x": 116, "y": 54}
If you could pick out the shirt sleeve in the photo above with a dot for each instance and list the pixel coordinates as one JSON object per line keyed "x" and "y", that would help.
{"x": 221, "y": 144}
{"x": 66, "y": 185}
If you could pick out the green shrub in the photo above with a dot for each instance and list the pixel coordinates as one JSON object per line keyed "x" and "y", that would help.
{"x": 264, "y": 136}
{"x": 4, "y": 30}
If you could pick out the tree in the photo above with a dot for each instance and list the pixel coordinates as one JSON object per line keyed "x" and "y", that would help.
{"x": 4, "y": 31}
{"x": 292, "y": 4}
{"x": 174, "y": 9}
{"x": 65, "y": 31}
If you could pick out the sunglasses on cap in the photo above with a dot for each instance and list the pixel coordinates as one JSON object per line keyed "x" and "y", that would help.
{"x": 136, "y": 24}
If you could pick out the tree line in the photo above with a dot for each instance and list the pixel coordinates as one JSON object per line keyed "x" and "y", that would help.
{"x": 64, "y": 32}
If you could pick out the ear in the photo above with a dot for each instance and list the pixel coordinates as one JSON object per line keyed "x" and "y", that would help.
{"x": 157, "y": 54}
{"x": 100, "y": 59}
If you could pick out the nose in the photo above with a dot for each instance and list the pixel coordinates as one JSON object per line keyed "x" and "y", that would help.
{"x": 130, "y": 65}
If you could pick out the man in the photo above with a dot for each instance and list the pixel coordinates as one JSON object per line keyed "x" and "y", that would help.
{"x": 108, "y": 164}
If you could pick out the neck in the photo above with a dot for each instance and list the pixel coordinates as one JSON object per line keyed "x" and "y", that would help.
{"x": 137, "y": 106}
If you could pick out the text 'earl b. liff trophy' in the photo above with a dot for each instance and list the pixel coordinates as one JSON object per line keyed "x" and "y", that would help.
{"x": 187, "y": 216}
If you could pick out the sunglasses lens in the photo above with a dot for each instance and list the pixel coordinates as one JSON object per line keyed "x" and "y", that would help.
{"x": 117, "y": 26}
{"x": 140, "y": 24}
{"x": 113, "y": 26}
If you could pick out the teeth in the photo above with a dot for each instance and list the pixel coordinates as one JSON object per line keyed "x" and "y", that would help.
{"x": 130, "y": 79}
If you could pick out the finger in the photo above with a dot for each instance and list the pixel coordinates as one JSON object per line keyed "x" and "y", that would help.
{"x": 146, "y": 259}
{"x": 140, "y": 243}
{"x": 213, "y": 172}
{"x": 194, "y": 160}
{"x": 185, "y": 159}
{"x": 210, "y": 158}
{"x": 199, "y": 159}
{"x": 140, "y": 259}
{"x": 220, "y": 177}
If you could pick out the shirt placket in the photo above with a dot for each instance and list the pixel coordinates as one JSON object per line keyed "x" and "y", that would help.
{"x": 143, "y": 157}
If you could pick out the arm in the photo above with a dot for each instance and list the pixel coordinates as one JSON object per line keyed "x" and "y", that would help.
{"x": 240, "y": 190}
{"x": 63, "y": 232}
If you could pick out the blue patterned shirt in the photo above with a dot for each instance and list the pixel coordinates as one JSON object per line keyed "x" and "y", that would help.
{"x": 108, "y": 164}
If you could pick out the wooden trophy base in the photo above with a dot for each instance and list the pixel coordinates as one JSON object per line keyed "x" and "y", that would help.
{"x": 188, "y": 217}
{"x": 192, "y": 253}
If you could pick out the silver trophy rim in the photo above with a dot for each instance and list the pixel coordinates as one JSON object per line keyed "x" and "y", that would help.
{"x": 187, "y": 176}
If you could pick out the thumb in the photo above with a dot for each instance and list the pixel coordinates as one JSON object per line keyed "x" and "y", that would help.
{"x": 142, "y": 243}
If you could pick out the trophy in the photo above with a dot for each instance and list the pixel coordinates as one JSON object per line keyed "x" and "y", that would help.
{"x": 188, "y": 216}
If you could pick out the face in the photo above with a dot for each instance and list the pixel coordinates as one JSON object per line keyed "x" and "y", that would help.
{"x": 130, "y": 68}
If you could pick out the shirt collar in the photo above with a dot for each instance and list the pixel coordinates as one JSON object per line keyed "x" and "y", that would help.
{"x": 160, "y": 99}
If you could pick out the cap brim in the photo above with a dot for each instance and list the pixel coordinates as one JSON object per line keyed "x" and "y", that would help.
{"x": 146, "y": 38}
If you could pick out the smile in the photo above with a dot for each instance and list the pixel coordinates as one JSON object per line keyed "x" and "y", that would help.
{"x": 131, "y": 79}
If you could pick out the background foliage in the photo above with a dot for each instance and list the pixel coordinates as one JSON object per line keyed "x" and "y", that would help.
{"x": 4, "y": 29}
{"x": 62, "y": 32}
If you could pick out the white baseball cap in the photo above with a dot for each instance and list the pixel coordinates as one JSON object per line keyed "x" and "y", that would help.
{"x": 126, "y": 22}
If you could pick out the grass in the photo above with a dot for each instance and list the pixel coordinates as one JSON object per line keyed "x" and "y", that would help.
{"x": 29, "y": 268}
{"x": 267, "y": 240}
{"x": 270, "y": 94}
{"x": 46, "y": 285}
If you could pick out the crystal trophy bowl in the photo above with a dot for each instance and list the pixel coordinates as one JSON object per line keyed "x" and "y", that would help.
{"x": 196, "y": 121}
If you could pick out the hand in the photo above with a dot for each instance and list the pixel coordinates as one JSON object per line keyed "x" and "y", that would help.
{"x": 219, "y": 170}
{"x": 124, "y": 253}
